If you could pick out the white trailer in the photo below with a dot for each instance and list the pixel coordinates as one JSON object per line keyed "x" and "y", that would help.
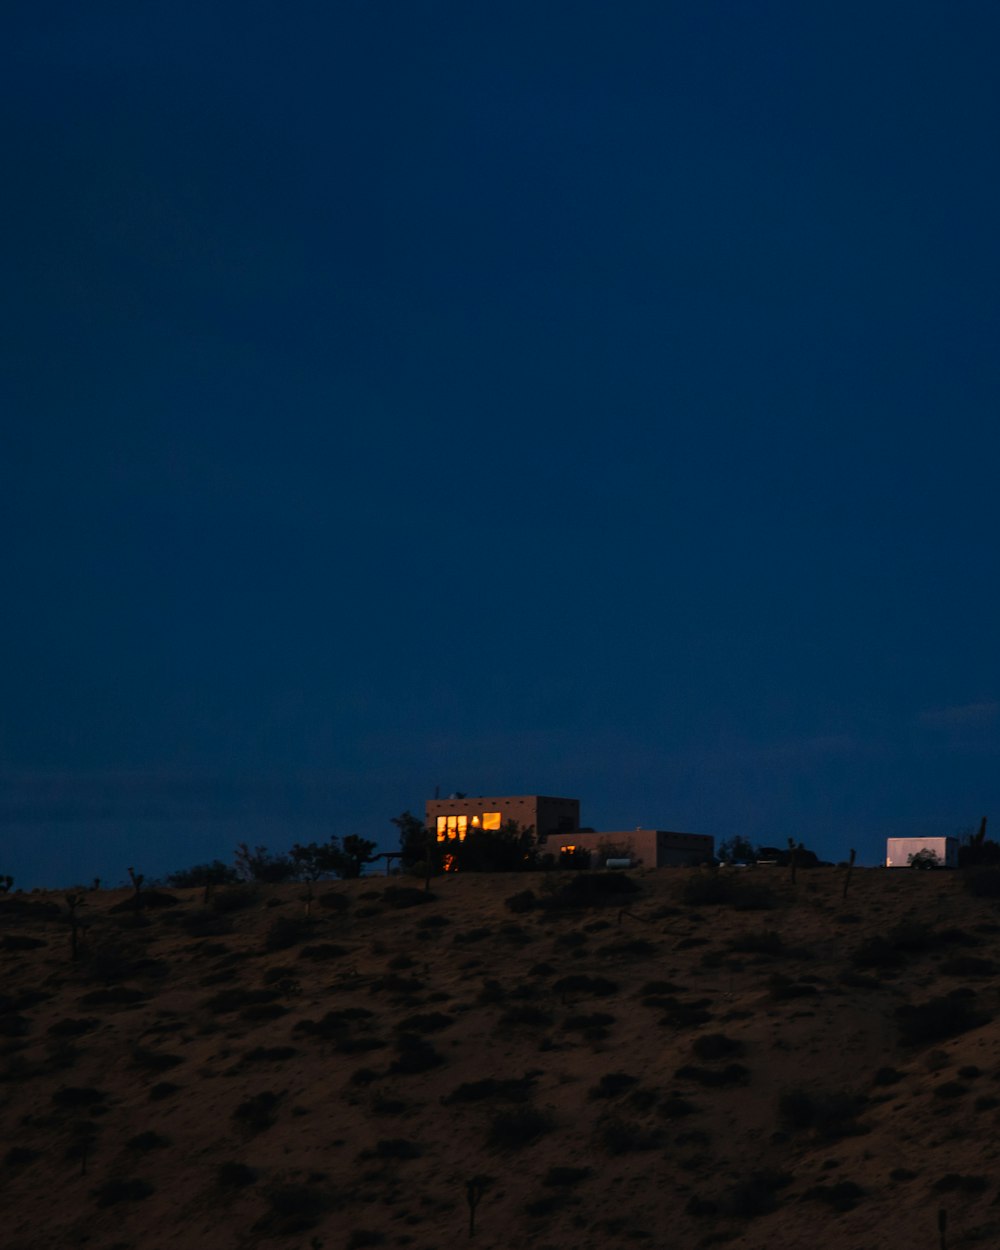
{"x": 899, "y": 852}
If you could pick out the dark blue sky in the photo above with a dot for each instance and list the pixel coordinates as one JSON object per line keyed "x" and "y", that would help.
{"x": 564, "y": 398}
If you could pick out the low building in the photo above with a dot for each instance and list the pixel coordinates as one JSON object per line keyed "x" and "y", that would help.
{"x": 647, "y": 848}
{"x": 900, "y": 852}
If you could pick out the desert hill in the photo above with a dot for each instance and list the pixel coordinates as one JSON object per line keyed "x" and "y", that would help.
{"x": 709, "y": 1060}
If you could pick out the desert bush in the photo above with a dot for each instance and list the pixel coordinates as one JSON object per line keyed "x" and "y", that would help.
{"x": 955, "y": 1182}
{"x": 119, "y": 1190}
{"x": 560, "y": 1176}
{"x": 402, "y": 896}
{"x": 154, "y": 1060}
{"x": 256, "y": 1113}
{"x": 363, "y": 1238}
{"x": 783, "y": 988}
{"x": 235, "y": 1175}
{"x": 843, "y": 1196}
{"x": 939, "y": 1018}
{"x": 206, "y": 922}
{"x": 395, "y": 1148}
{"x": 19, "y": 1157}
{"x": 116, "y": 996}
{"x": 580, "y": 983}
{"x": 675, "y": 1107}
{"x": 294, "y": 1208}
{"x": 714, "y": 1078}
{"x": 522, "y": 901}
{"x": 470, "y": 936}
{"x": 426, "y": 1022}
{"x": 74, "y": 1097}
{"x": 512, "y": 1130}
{"x": 587, "y": 1022}
{"x": 416, "y": 1055}
{"x": 335, "y": 1024}
{"x": 887, "y": 1076}
{"x": 161, "y": 1090}
{"x": 681, "y": 1014}
{"x": 511, "y": 1089}
{"x": 716, "y": 1046}
{"x": 20, "y": 942}
{"x": 619, "y": 1137}
{"x": 285, "y": 932}
{"x": 714, "y": 889}
{"x": 270, "y": 1054}
{"x": 147, "y": 1141}
{"x": 323, "y": 951}
{"x": 950, "y": 1089}
{"x": 762, "y": 942}
{"x": 830, "y": 1114}
{"x": 612, "y": 1084}
{"x": 200, "y": 875}
{"x": 526, "y": 1013}
{"x": 237, "y": 997}
{"x": 968, "y": 966}
{"x": 755, "y": 1194}
{"x": 982, "y": 882}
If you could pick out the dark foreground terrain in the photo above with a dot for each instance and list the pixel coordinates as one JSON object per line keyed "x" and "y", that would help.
{"x": 737, "y": 1061}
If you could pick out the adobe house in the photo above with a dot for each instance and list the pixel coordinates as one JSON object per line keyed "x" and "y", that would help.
{"x": 453, "y": 818}
{"x": 556, "y": 824}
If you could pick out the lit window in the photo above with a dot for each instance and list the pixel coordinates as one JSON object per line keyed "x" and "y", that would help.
{"x": 452, "y": 827}
{"x": 476, "y": 822}
{"x": 491, "y": 820}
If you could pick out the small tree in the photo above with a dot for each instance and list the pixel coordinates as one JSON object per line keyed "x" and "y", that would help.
{"x": 508, "y": 849}
{"x": 924, "y": 859}
{"x": 6, "y": 884}
{"x": 412, "y": 838}
{"x": 737, "y": 850}
{"x": 215, "y": 873}
{"x": 357, "y": 852}
{"x": 318, "y": 860}
{"x": 260, "y": 865}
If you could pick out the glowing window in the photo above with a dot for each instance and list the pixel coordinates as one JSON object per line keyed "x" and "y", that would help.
{"x": 452, "y": 827}
{"x": 491, "y": 820}
{"x": 442, "y": 828}
{"x": 476, "y": 822}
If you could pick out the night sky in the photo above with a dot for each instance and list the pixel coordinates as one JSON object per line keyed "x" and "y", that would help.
{"x": 573, "y": 398}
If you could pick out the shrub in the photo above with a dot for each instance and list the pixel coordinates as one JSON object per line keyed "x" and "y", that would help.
{"x": 513, "y": 1089}
{"x": 426, "y": 1022}
{"x": 286, "y": 931}
{"x": 395, "y": 1148}
{"x": 294, "y": 1208}
{"x": 161, "y": 1090}
{"x": 115, "y": 1191}
{"x": 829, "y": 1114}
{"x": 982, "y": 882}
{"x": 235, "y": 1175}
{"x": 762, "y": 942}
{"x": 621, "y": 1137}
{"x": 511, "y": 1130}
{"x": 561, "y": 1176}
{"x": 955, "y": 1182}
{"x": 755, "y": 1194}
{"x": 716, "y": 1046}
{"x": 521, "y": 902}
{"x": 580, "y": 983}
{"x": 968, "y": 966}
{"x": 402, "y": 896}
{"x": 939, "y": 1018}
{"x": 415, "y": 1055}
{"x": 70, "y": 1097}
{"x": 147, "y": 1141}
{"x": 843, "y": 1196}
{"x": 732, "y": 1074}
{"x": 215, "y": 873}
{"x": 714, "y": 889}
{"x": 257, "y": 1113}
{"x": 613, "y": 1084}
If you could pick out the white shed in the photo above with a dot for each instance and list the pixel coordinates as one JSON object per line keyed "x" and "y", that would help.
{"x": 899, "y": 851}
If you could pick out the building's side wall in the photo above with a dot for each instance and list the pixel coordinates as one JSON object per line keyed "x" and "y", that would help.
{"x": 678, "y": 849}
{"x": 899, "y": 850}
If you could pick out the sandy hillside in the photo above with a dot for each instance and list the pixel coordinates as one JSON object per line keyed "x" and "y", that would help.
{"x": 787, "y": 1069}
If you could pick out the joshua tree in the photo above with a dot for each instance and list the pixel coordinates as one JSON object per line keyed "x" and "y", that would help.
{"x": 847, "y": 874}
{"x": 73, "y": 901}
{"x": 474, "y": 1190}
